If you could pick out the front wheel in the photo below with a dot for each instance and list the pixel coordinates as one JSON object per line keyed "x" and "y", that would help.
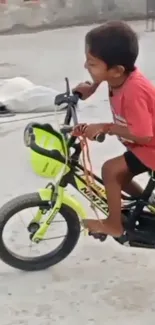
{"x": 18, "y": 205}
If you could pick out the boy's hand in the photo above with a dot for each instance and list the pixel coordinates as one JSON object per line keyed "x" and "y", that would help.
{"x": 79, "y": 129}
{"x": 92, "y": 130}
{"x": 86, "y": 89}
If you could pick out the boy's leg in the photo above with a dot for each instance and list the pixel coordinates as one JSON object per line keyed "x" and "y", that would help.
{"x": 116, "y": 175}
{"x": 133, "y": 189}
{"x": 136, "y": 167}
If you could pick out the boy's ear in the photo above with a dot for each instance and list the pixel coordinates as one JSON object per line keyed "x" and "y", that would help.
{"x": 119, "y": 71}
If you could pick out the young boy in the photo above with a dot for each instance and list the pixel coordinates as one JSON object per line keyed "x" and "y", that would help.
{"x": 111, "y": 52}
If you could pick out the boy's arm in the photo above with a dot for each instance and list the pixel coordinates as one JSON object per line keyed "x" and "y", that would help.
{"x": 138, "y": 117}
{"x": 124, "y": 132}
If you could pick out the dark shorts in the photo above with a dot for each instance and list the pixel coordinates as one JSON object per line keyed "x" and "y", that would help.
{"x": 135, "y": 166}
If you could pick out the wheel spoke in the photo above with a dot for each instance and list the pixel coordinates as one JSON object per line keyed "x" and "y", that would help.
{"x": 51, "y": 238}
{"x": 60, "y": 239}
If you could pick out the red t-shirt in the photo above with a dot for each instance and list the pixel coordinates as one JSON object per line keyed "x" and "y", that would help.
{"x": 133, "y": 105}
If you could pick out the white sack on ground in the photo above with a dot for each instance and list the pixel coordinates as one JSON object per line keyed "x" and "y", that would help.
{"x": 20, "y": 95}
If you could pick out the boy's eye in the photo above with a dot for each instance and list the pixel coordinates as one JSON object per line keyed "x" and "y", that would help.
{"x": 91, "y": 64}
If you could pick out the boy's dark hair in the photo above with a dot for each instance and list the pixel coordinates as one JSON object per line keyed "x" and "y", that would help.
{"x": 115, "y": 43}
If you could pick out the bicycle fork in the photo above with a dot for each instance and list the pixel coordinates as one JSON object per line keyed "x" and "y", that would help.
{"x": 55, "y": 198}
{"x": 55, "y": 205}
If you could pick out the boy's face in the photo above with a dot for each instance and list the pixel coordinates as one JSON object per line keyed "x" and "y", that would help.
{"x": 99, "y": 71}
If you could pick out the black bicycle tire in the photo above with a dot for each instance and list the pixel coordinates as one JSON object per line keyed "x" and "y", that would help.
{"x": 38, "y": 263}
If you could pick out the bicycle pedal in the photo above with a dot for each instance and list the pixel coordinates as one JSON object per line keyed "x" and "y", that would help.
{"x": 99, "y": 236}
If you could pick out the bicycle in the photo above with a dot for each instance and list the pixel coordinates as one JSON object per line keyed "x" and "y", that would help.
{"x": 139, "y": 223}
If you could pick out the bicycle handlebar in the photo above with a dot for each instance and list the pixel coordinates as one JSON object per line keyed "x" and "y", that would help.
{"x": 64, "y": 98}
{"x": 72, "y": 100}
{"x": 69, "y": 98}
{"x": 68, "y": 129}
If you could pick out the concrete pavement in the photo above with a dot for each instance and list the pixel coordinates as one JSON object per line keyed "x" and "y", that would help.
{"x": 98, "y": 283}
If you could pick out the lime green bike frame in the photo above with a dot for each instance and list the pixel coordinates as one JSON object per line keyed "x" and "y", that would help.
{"x": 55, "y": 196}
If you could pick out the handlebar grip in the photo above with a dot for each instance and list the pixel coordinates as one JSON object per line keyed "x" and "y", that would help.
{"x": 78, "y": 95}
{"x": 100, "y": 137}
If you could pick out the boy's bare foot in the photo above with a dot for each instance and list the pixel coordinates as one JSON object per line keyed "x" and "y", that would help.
{"x": 105, "y": 227}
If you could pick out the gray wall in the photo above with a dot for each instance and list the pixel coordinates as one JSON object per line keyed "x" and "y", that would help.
{"x": 67, "y": 12}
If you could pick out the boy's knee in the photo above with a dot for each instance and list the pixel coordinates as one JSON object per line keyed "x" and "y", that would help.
{"x": 115, "y": 168}
{"x": 107, "y": 170}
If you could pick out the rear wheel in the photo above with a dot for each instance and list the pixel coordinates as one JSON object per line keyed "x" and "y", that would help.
{"x": 19, "y": 204}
